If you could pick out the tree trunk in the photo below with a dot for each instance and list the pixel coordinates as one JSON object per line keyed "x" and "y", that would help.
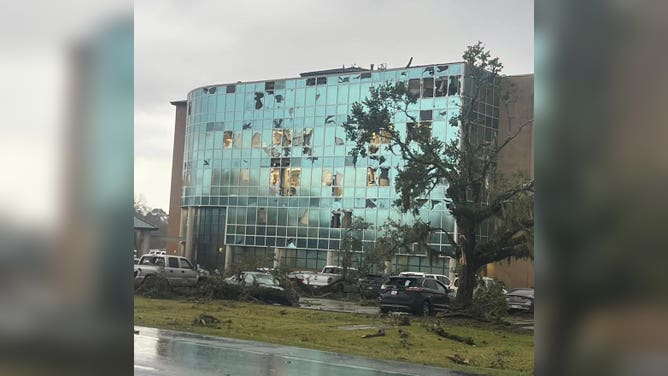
{"x": 466, "y": 285}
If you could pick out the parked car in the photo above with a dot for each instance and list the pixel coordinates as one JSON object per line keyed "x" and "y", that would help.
{"x": 486, "y": 282}
{"x": 178, "y": 270}
{"x": 203, "y": 273}
{"x": 521, "y": 299}
{"x": 419, "y": 295}
{"x": 440, "y": 277}
{"x": 297, "y": 277}
{"x": 254, "y": 279}
{"x": 370, "y": 283}
{"x": 330, "y": 278}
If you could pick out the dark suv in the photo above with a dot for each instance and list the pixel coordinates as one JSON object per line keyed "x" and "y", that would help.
{"x": 422, "y": 296}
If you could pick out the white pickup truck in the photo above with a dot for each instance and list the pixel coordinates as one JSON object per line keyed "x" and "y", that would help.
{"x": 330, "y": 277}
{"x": 178, "y": 270}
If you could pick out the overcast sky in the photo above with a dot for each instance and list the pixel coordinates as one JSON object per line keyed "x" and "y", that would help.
{"x": 182, "y": 45}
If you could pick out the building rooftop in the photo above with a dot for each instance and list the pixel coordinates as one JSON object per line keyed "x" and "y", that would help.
{"x": 327, "y": 72}
{"x": 143, "y": 225}
{"x": 333, "y": 71}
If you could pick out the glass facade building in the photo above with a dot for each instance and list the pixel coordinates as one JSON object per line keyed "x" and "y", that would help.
{"x": 267, "y": 169}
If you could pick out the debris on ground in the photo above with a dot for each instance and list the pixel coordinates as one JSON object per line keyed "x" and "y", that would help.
{"x": 205, "y": 320}
{"x": 401, "y": 318}
{"x": 441, "y": 332}
{"x": 379, "y": 333}
{"x": 458, "y": 359}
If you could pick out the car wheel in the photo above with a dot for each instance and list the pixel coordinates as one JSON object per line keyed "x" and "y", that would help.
{"x": 426, "y": 308}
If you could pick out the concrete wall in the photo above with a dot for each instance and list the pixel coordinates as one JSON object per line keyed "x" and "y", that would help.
{"x": 518, "y": 155}
{"x": 174, "y": 221}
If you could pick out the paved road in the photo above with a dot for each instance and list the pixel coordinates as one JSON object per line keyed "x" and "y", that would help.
{"x": 164, "y": 352}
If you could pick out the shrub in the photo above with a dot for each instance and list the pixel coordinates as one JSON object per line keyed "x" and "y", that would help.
{"x": 489, "y": 303}
{"x": 273, "y": 296}
{"x": 155, "y": 286}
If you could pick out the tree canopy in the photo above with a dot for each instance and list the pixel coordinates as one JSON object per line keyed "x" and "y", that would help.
{"x": 465, "y": 167}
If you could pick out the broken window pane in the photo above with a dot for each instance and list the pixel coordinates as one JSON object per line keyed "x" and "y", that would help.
{"x": 256, "y": 141}
{"x": 321, "y": 81}
{"x": 441, "y": 86}
{"x": 370, "y": 176}
{"x": 453, "y": 88}
{"x": 229, "y": 89}
{"x": 337, "y": 184}
{"x": 384, "y": 178}
{"x": 269, "y": 87}
{"x": 414, "y": 87}
{"x": 237, "y": 140}
{"x": 294, "y": 181}
{"x": 258, "y": 100}
{"x": 336, "y": 219}
{"x": 228, "y": 138}
{"x": 428, "y": 87}
{"x": 425, "y": 115}
{"x": 365, "y": 75}
{"x": 308, "y": 132}
{"x": 347, "y": 219}
{"x": 277, "y": 137}
{"x": 244, "y": 176}
{"x": 303, "y": 218}
{"x": 326, "y": 178}
{"x": 310, "y": 81}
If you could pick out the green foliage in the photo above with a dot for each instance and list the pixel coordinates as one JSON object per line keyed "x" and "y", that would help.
{"x": 478, "y": 194}
{"x": 489, "y": 303}
{"x": 155, "y": 286}
{"x": 217, "y": 288}
{"x": 249, "y": 264}
{"x": 351, "y": 243}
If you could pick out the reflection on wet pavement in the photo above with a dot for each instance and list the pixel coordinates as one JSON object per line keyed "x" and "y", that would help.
{"x": 164, "y": 352}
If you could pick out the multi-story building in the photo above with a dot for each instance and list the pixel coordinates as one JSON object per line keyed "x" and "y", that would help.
{"x": 266, "y": 169}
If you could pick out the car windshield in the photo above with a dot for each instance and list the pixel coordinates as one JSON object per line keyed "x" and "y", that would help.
{"x": 403, "y": 282}
{"x": 265, "y": 279}
{"x": 332, "y": 270}
{"x": 522, "y": 292}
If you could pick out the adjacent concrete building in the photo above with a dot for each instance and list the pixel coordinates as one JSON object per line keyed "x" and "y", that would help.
{"x": 516, "y": 157}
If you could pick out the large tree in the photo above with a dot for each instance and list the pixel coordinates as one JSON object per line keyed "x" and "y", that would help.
{"x": 465, "y": 167}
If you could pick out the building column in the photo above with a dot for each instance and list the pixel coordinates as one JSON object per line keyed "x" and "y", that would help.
{"x": 331, "y": 255}
{"x": 279, "y": 254}
{"x": 145, "y": 242}
{"x": 181, "y": 250}
{"x": 229, "y": 257}
{"x": 190, "y": 224}
{"x": 452, "y": 265}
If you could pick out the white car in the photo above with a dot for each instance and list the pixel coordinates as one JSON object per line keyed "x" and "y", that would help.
{"x": 486, "y": 281}
{"x": 439, "y": 277}
{"x": 330, "y": 277}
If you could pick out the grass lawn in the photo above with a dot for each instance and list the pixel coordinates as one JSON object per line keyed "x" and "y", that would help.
{"x": 497, "y": 351}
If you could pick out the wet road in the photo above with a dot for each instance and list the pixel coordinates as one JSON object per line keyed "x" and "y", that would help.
{"x": 164, "y": 352}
